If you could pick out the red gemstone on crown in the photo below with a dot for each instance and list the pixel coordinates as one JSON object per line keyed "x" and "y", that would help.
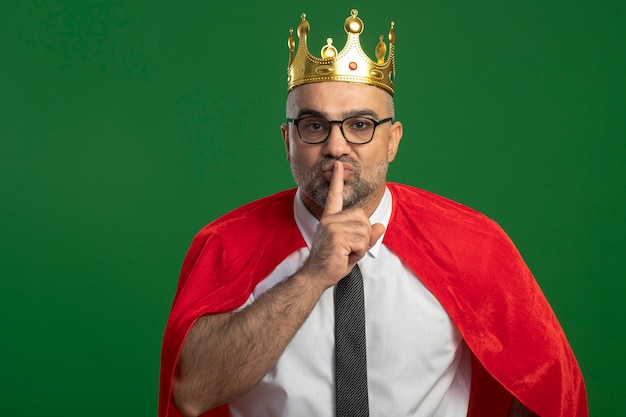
{"x": 353, "y": 65}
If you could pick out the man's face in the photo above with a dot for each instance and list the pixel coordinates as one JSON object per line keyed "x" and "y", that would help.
{"x": 365, "y": 166}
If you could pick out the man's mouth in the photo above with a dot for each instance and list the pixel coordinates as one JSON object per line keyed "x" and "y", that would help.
{"x": 327, "y": 170}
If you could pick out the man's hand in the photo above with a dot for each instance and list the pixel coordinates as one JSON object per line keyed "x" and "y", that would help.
{"x": 342, "y": 236}
{"x": 225, "y": 355}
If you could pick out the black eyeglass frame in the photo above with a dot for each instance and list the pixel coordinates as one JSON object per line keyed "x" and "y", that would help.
{"x": 340, "y": 122}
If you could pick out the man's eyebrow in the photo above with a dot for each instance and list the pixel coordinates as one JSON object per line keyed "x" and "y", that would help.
{"x": 309, "y": 112}
{"x": 361, "y": 113}
{"x": 351, "y": 113}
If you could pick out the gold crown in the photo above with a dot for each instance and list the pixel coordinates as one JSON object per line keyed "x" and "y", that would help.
{"x": 351, "y": 64}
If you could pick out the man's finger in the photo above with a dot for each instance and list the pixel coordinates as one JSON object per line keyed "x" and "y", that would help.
{"x": 377, "y": 231}
{"x": 334, "y": 200}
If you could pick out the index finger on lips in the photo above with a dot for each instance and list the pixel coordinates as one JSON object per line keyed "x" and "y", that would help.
{"x": 334, "y": 200}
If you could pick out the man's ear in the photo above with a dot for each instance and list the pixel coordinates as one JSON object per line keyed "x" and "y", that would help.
{"x": 395, "y": 135}
{"x": 284, "y": 130}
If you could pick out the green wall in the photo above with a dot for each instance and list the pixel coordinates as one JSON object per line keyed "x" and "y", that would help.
{"x": 126, "y": 126}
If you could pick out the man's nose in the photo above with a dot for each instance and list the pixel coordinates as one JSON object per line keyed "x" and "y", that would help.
{"x": 336, "y": 145}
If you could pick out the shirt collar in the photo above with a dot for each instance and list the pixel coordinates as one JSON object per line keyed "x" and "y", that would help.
{"x": 307, "y": 223}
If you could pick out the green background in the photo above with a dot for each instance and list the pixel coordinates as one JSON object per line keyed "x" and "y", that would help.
{"x": 126, "y": 126}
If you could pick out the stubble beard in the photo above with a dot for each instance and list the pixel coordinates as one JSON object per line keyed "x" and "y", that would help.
{"x": 359, "y": 189}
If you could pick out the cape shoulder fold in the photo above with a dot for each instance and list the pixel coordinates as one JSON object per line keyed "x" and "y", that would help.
{"x": 475, "y": 271}
{"x": 225, "y": 261}
{"x": 465, "y": 260}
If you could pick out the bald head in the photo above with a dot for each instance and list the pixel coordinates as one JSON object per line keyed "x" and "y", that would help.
{"x": 297, "y": 97}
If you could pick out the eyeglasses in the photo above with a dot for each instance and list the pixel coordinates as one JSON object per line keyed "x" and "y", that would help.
{"x": 356, "y": 130}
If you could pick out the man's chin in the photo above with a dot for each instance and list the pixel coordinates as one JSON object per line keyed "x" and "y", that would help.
{"x": 320, "y": 194}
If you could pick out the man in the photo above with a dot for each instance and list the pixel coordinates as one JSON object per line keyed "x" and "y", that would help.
{"x": 454, "y": 323}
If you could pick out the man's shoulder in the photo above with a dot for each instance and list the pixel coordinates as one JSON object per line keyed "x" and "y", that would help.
{"x": 263, "y": 229}
{"x": 433, "y": 216}
{"x": 411, "y": 198}
{"x": 258, "y": 217}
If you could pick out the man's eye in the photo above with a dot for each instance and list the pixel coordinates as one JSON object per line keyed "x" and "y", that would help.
{"x": 360, "y": 124}
{"x": 314, "y": 126}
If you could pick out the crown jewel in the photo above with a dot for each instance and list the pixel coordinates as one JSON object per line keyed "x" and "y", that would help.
{"x": 351, "y": 64}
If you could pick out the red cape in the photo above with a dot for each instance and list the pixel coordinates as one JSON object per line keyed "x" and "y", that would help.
{"x": 463, "y": 258}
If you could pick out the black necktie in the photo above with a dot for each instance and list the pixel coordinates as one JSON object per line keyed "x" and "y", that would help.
{"x": 350, "y": 356}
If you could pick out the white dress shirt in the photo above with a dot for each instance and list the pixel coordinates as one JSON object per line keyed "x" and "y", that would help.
{"x": 417, "y": 363}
